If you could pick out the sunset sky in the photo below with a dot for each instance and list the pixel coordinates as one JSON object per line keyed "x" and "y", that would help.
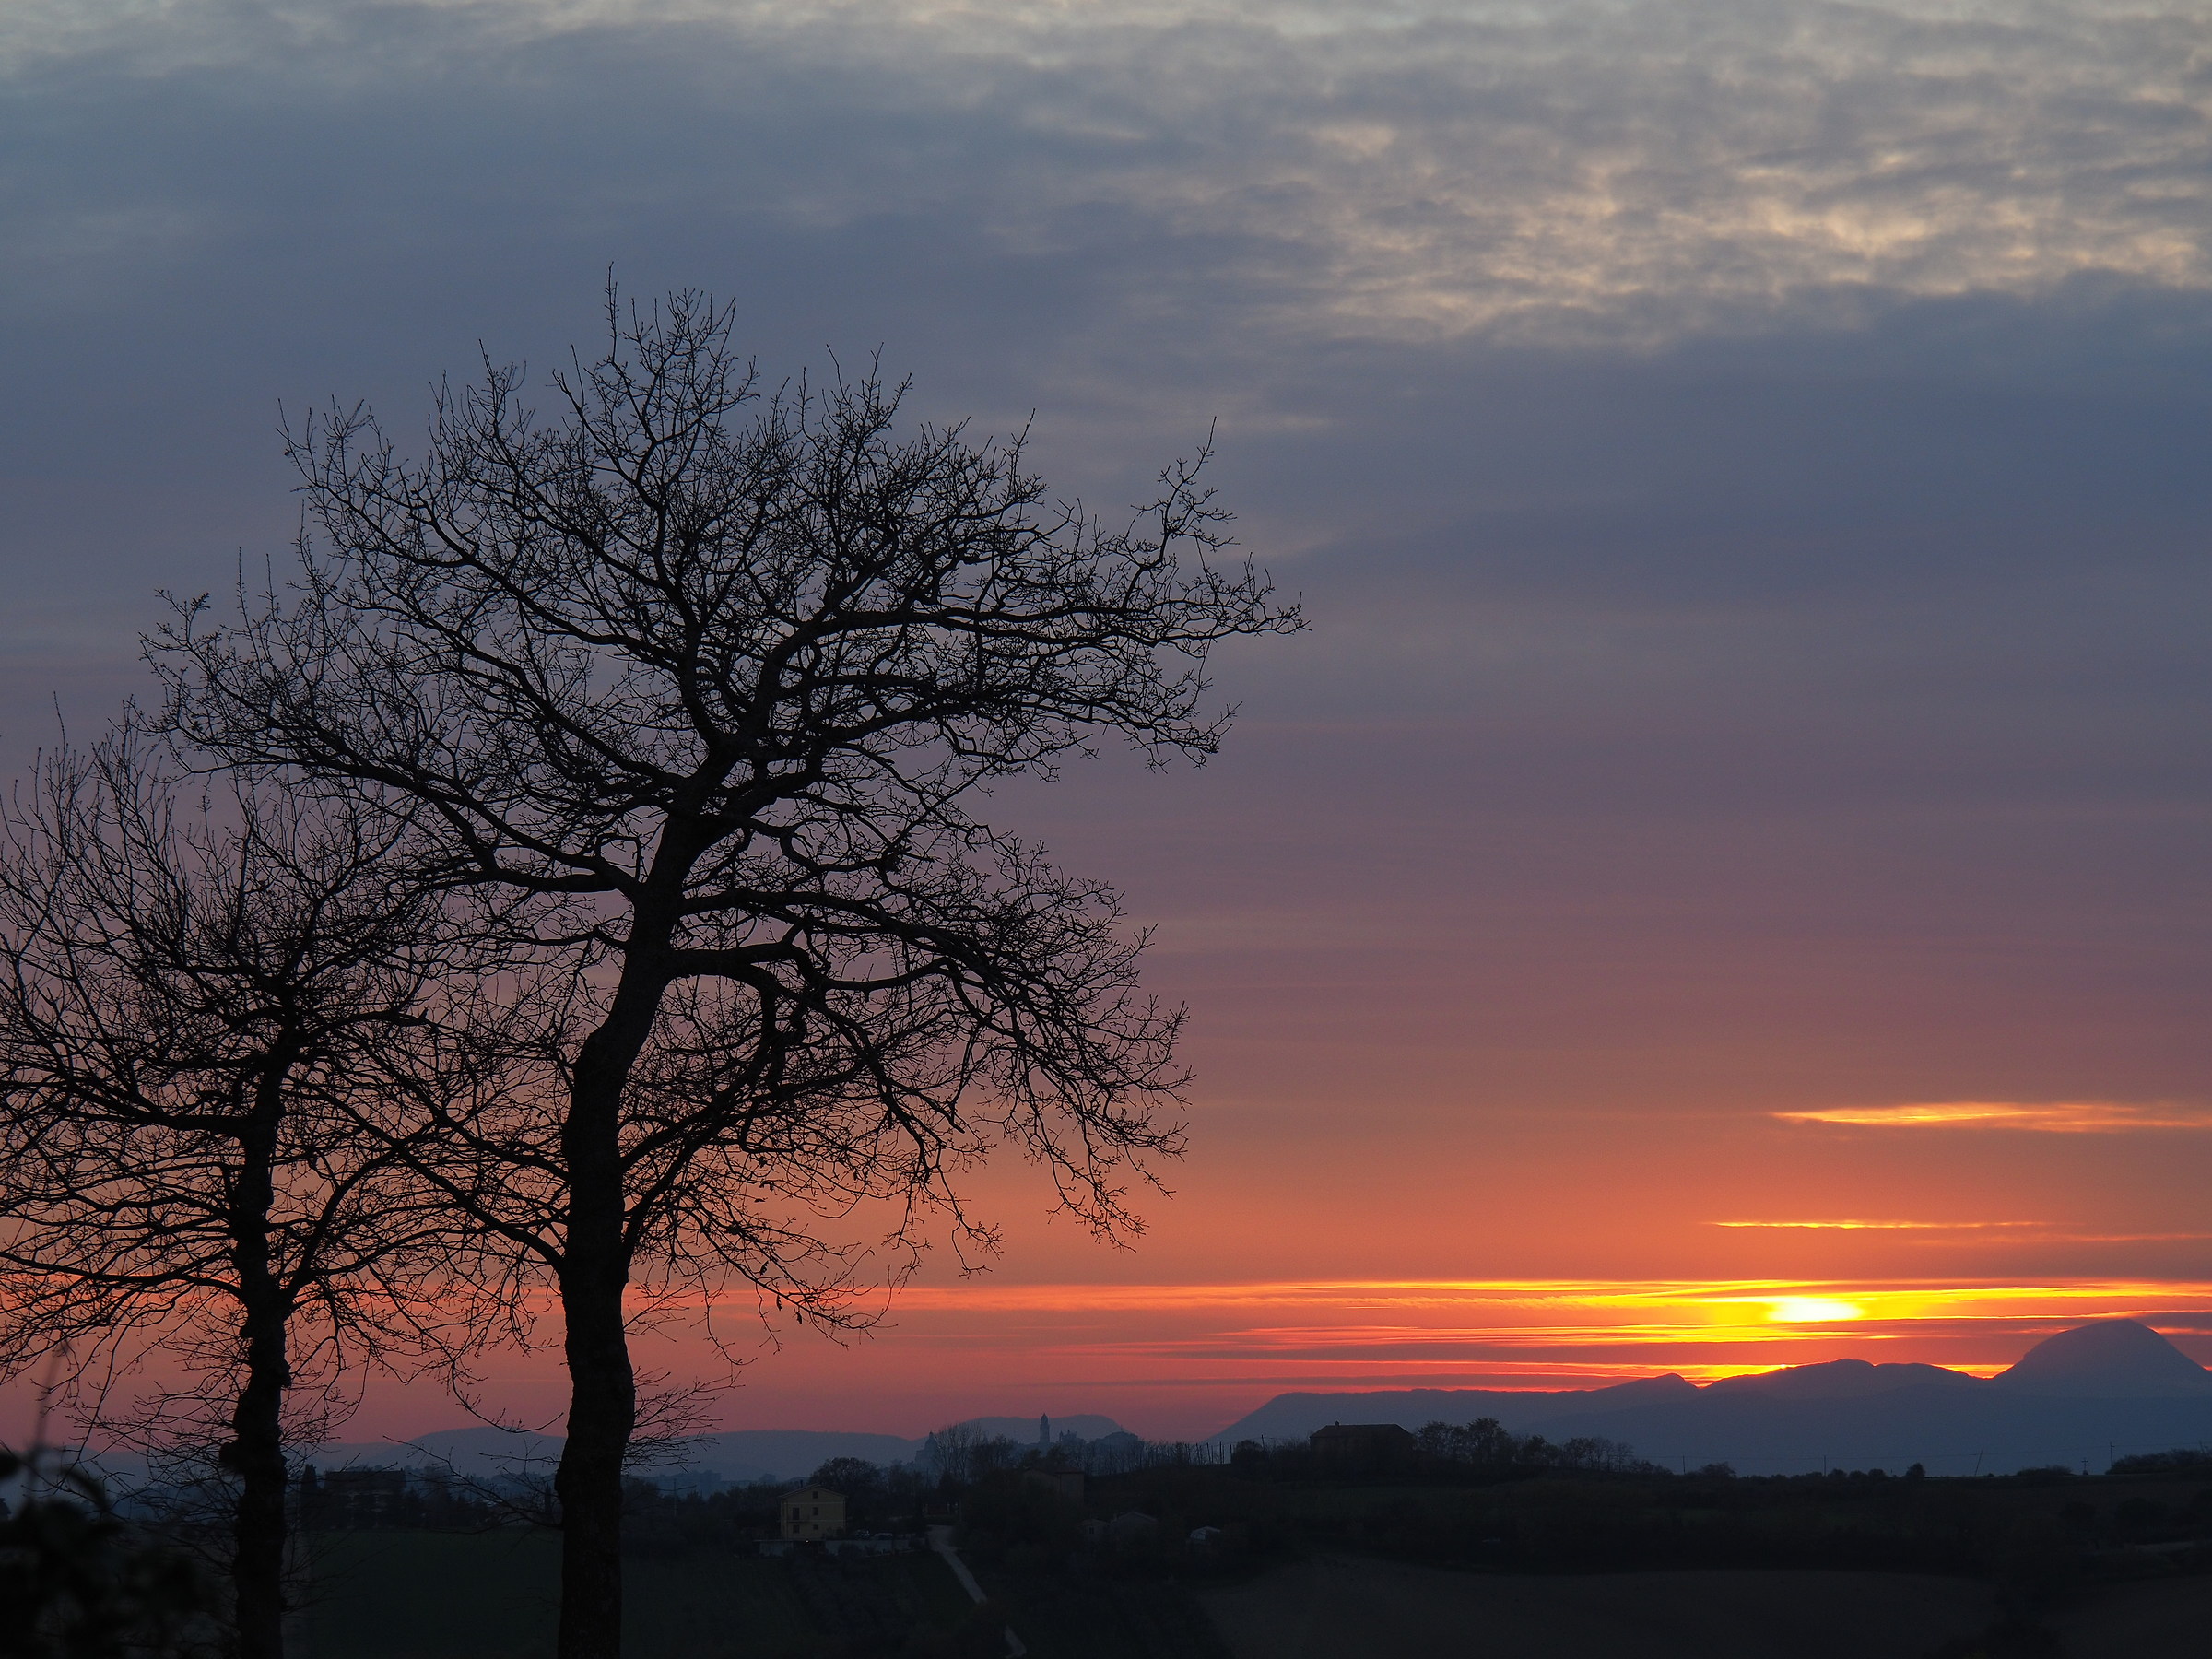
{"x": 1724, "y": 881}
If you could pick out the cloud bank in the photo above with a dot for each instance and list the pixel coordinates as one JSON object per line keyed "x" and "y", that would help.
{"x": 1609, "y": 170}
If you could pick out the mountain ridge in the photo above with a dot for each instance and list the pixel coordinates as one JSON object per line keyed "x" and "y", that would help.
{"x": 2078, "y": 1397}
{"x": 1841, "y": 1379}
{"x": 2090, "y": 1361}
{"x": 1279, "y": 1417}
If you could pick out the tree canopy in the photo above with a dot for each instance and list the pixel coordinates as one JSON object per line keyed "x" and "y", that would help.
{"x": 697, "y": 687}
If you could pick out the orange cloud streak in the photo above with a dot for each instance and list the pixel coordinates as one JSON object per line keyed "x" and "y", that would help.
{"x": 2078, "y": 1117}
{"x": 1886, "y": 1226}
{"x": 1602, "y": 1327}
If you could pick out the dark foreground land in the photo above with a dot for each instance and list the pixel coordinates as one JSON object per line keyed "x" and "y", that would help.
{"x": 1347, "y": 1608}
{"x": 1543, "y": 1566}
{"x": 394, "y": 1594}
{"x": 2138, "y": 1621}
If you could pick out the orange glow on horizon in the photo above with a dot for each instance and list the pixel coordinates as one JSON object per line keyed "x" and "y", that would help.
{"x": 1896, "y": 1294}
{"x": 1187, "y": 1360}
{"x": 1549, "y": 1329}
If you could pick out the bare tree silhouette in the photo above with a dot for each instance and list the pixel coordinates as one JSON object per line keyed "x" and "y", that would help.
{"x": 712, "y": 691}
{"x": 202, "y": 1002}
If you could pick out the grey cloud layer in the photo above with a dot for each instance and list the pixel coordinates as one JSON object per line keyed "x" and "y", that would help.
{"x": 1615, "y": 168}
{"x": 1615, "y": 340}
{"x": 1747, "y": 462}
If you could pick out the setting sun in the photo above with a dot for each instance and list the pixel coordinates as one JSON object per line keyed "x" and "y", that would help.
{"x": 1811, "y": 1309}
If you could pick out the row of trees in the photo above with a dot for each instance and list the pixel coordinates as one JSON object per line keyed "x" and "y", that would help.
{"x": 1487, "y": 1443}
{"x": 568, "y": 890}
{"x": 1484, "y": 1448}
{"x": 964, "y": 1454}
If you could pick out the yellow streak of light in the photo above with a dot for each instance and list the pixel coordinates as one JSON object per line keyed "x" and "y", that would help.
{"x": 2074, "y": 1117}
{"x": 1854, "y": 1225}
{"x": 1523, "y": 1303}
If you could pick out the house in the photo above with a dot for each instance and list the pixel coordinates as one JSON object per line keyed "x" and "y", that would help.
{"x": 366, "y": 1485}
{"x": 813, "y": 1512}
{"x": 1362, "y": 1448}
{"x": 358, "y": 1495}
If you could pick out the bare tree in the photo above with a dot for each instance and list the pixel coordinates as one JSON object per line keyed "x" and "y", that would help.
{"x": 201, "y": 1004}
{"x": 712, "y": 691}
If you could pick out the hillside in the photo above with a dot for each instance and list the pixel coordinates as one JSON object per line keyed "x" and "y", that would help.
{"x": 1294, "y": 1415}
{"x": 2078, "y": 1397}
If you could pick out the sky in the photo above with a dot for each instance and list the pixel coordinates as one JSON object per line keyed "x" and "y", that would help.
{"x": 1723, "y": 881}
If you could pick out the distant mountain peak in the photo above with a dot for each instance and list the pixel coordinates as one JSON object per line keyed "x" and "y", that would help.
{"x": 1639, "y": 1391}
{"x": 1295, "y": 1416}
{"x": 2113, "y": 1359}
{"x": 1840, "y": 1380}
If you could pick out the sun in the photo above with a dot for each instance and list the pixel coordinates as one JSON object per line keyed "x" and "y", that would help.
{"x": 1811, "y": 1309}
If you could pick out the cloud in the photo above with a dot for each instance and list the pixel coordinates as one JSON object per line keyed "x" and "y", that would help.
{"x": 1883, "y": 1226}
{"x": 1978, "y": 1233}
{"x": 1577, "y": 171}
{"x": 1525, "y": 1332}
{"x": 2083, "y": 1117}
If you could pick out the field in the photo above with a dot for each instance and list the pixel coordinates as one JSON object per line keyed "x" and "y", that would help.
{"x": 1073, "y": 1616}
{"x": 391, "y": 1594}
{"x": 1347, "y": 1608}
{"x": 2042, "y": 1566}
{"x": 2138, "y": 1621}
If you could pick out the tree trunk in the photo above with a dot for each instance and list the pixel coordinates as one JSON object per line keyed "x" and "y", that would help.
{"x": 603, "y": 1403}
{"x": 256, "y": 1456}
{"x": 602, "y": 1411}
{"x": 255, "y": 1453}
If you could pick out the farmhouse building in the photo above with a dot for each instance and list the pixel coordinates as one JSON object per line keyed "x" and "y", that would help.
{"x": 813, "y": 1512}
